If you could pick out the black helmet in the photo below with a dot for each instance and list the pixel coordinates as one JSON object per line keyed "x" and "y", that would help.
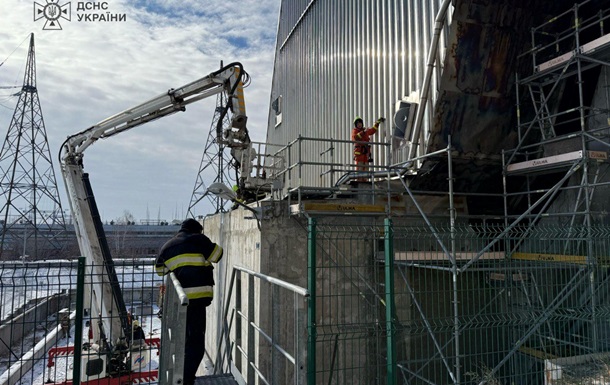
{"x": 191, "y": 226}
{"x": 358, "y": 119}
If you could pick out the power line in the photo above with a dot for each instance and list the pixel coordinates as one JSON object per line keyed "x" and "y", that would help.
{"x": 20, "y": 44}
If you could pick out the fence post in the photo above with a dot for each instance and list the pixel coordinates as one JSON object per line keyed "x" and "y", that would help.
{"x": 251, "y": 352}
{"x": 78, "y": 327}
{"x": 278, "y": 369}
{"x": 300, "y": 341}
{"x": 238, "y": 321}
{"x": 389, "y": 300}
{"x": 311, "y": 306}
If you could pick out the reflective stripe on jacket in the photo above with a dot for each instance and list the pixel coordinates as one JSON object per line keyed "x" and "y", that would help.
{"x": 190, "y": 256}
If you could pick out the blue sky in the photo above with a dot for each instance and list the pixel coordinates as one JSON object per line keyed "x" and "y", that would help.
{"x": 91, "y": 70}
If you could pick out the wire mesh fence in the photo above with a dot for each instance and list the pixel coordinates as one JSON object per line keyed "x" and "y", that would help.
{"x": 460, "y": 305}
{"x": 33, "y": 295}
{"x": 473, "y": 304}
{"x": 41, "y": 326}
{"x": 350, "y": 330}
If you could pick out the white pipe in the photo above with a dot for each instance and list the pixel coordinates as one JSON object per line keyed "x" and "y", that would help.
{"x": 423, "y": 99}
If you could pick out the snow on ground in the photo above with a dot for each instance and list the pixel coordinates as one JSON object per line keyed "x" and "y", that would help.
{"x": 63, "y": 366}
{"x": 20, "y": 284}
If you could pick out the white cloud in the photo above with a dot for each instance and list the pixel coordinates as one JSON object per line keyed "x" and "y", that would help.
{"x": 91, "y": 70}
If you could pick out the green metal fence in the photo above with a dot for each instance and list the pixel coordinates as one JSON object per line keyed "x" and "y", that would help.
{"x": 399, "y": 304}
{"x": 42, "y": 307}
{"x": 349, "y": 320}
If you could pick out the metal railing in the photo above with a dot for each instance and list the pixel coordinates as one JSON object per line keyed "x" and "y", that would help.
{"x": 535, "y": 305}
{"x": 319, "y": 163}
{"x": 264, "y": 336}
{"x": 173, "y": 333}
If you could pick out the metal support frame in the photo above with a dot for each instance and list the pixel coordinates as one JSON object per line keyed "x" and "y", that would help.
{"x": 548, "y": 74}
{"x": 389, "y": 300}
{"x": 214, "y": 156}
{"x": 311, "y": 308}
{"x": 538, "y": 204}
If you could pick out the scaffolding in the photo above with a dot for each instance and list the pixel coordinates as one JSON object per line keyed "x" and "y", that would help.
{"x": 515, "y": 298}
{"x": 405, "y": 291}
{"x": 558, "y": 172}
{"x": 563, "y": 111}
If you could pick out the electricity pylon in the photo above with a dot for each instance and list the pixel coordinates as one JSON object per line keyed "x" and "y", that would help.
{"x": 216, "y": 160}
{"x": 31, "y": 214}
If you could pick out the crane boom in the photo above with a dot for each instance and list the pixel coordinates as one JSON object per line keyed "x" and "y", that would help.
{"x": 102, "y": 291}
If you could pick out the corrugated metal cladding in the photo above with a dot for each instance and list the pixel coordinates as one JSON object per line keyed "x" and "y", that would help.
{"x": 337, "y": 59}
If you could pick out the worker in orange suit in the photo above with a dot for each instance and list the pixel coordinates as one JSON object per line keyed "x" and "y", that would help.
{"x": 362, "y": 151}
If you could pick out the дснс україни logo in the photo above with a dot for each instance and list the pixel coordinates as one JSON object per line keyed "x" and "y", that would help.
{"x": 52, "y": 12}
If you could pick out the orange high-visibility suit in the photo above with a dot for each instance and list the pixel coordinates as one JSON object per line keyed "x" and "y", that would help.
{"x": 362, "y": 150}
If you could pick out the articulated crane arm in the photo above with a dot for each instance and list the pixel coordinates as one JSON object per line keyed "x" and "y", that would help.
{"x": 102, "y": 291}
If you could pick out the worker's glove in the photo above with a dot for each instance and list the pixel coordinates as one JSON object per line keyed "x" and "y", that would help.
{"x": 380, "y": 120}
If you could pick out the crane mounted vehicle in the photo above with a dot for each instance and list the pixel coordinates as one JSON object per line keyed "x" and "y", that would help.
{"x": 106, "y": 354}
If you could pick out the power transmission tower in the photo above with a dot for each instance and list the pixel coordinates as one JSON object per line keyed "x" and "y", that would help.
{"x": 31, "y": 213}
{"x": 216, "y": 159}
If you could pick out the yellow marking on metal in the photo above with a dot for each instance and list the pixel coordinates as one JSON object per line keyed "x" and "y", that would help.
{"x": 344, "y": 207}
{"x": 537, "y": 353}
{"x": 578, "y": 259}
{"x": 599, "y": 155}
{"x": 502, "y": 277}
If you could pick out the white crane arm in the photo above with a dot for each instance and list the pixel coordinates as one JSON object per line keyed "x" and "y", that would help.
{"x": 102, "y": 290}
{"x": 173, "y": 101}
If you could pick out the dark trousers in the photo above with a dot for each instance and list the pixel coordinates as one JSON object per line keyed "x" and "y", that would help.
{"x": 194, "y": 348}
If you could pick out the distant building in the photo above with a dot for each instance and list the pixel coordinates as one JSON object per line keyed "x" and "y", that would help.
{"x": 124, "y": 241}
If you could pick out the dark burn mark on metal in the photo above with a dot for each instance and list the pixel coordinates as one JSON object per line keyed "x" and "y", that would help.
{"x": 476, "y": 94}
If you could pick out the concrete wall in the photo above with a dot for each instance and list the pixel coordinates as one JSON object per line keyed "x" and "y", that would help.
{"x": 278, "y": 250}
{"x": 241, "y": 242}
{"x": 14, "y": 330}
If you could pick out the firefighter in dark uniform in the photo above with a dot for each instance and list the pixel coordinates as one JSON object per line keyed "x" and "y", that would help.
{"x": 189, "y": 255}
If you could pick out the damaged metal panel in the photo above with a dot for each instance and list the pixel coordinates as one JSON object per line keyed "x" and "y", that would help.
{"x": 339, "y": 59}
{"x": 476, "y": 101}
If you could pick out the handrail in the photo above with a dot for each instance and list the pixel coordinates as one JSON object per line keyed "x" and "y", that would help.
{"x": 294, "y": 288}
{"x": 245, "y": 331}
{"x": 184, "y": 301}
{"x": 173, "y": 333}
